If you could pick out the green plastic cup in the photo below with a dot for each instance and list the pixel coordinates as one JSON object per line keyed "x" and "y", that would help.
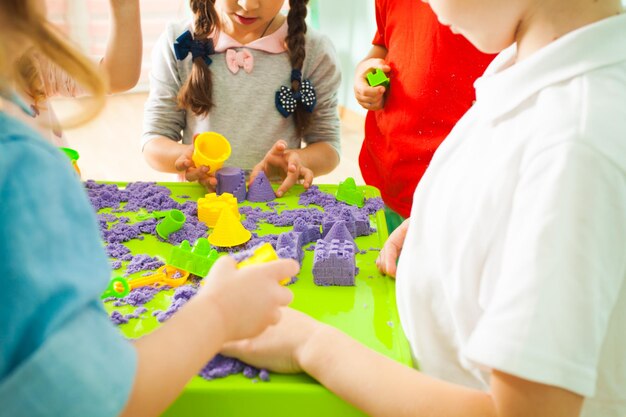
{"x": 172, "y": 222}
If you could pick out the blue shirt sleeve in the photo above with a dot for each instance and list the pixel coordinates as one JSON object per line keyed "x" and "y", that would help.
{"x": 59, "y": 352}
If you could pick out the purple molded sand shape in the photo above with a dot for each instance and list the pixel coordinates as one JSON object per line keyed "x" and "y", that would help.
{"x": 289, "y": 245}
{"x": 310, "y": 232}
{"x": 338, "y": 231}
{"x": 260, "y": 190}
{"x": 333, "y": 263}
{"x": 231, "y": 180}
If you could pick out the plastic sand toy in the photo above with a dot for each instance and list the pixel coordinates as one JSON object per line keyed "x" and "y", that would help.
{"x": 73, "y": 155}
{"x": 349, "y": 193}
{"x": 229, "y": 231}
{"x": 118, "y": 287}
{"x": 262, "y": 254}
{"x": 197, "y": 260}
{"x": 165, "y": 275}
{"x": 211, "y": 149}
{"x": 210, "y": 207}
{"x": 173, "y": 221}
{"x": 377, "y": 78}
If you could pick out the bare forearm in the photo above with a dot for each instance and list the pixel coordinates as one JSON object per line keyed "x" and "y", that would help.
{"x": 169, "y": 357}
{"x": 161, "y": 153}
{"x": 320, "y": 157}
{"x": 122, "y": 59}
{"x": 382, "y": 387}
{"x": 377, "y": 51}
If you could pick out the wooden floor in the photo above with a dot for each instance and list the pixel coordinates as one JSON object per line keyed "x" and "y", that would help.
{"x": 109, "y": 146}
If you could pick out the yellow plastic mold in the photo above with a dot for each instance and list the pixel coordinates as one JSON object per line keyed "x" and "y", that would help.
{"x": 211, "y": 206}
{"x": 211, "y": 149}
{"x": 229, "y": 231}
{"x": 262, "y": 254}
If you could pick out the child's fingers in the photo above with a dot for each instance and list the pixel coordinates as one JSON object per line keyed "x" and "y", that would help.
{"x": 275, "y": 270}
{"x": 182, "y": 164}
{"x": 290, "y": 180}
{"x": 308, "y": 176}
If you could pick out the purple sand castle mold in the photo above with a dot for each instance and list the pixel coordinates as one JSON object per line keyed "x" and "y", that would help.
{"x": 231, "y": 180}
{"x": 260, "y": 190}
{"x": 334, "y": 263}
{"x": 289, "y": 245}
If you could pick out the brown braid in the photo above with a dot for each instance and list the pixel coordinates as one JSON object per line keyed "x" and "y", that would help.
{"x": 295, "y": 46}
{"x": 197, "y": 93}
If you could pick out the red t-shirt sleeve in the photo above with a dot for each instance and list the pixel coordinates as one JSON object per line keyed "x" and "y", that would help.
{"x": 379, "y": 37}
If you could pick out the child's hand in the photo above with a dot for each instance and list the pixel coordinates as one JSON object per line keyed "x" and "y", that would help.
{"x": 370, "y": 98}
{"x": 185, "y": 166}
{"x": 386, "y": 261}
{"x": 279, "y": 347}
{"x": 248, "y": 299}
{"x": 286, "y": 164}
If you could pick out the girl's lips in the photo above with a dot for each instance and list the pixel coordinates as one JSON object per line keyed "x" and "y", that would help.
{"x": 246, "y": 20}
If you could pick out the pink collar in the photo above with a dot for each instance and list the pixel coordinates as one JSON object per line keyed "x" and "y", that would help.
{"x": 273, "y": 43}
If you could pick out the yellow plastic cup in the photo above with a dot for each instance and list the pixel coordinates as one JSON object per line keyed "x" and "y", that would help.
{"x": 211, "y": 149}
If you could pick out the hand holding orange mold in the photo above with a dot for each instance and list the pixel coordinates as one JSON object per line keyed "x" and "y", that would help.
{"x": 285, "y": 164}
{"x": 368, "y": 96}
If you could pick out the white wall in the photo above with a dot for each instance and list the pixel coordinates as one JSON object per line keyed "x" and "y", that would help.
{"x": 351, "y": 25}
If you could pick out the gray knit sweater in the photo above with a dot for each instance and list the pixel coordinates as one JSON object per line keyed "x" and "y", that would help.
{"x": 244, "y": 110}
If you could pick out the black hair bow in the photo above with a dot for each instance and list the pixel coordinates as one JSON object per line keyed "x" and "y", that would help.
{"x": 185, "y": 44}
{"x": 286, "y": 99}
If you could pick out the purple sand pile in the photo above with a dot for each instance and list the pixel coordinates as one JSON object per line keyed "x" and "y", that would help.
{"x": 182, "y": 294}
{"x": 143, "y": 263}
{"x": 221, "y": 366}
{"x": 260, "y": 190}
{"x": 310, "y": 232}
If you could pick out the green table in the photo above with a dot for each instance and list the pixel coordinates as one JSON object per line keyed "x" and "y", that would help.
{"x": 366, "y": 312}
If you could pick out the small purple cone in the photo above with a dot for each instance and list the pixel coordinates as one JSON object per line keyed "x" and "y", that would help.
{"x": 260, "y": 190}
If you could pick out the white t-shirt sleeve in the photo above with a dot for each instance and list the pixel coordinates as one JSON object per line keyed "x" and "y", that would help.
{"x": 563, "y": 267}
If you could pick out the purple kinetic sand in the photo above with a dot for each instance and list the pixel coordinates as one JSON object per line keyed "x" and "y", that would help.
{"x": 231, "y": 180}
{"x": 143, "y": 263}
{"x": 310, "y": 232}
{"x": 289, "y": 245}
{"x": 115, "y": 265}
{"x": 338, "y": 231}
{"x": 356, "y": 220}
{"x": 105, "y": 195}
{"x": 181, "y": 296}
{"x": 260, "y": 190}
{"x": 333, "y": 263}
{"x": 117, "y": 318}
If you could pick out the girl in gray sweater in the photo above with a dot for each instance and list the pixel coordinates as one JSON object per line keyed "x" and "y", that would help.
{"x": 259, "y": 78}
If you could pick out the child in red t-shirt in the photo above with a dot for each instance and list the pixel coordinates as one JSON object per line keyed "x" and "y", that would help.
{"x": 431, "y": 73}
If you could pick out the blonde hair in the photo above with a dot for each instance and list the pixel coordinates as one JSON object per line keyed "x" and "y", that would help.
{"x": 27, "y": 24}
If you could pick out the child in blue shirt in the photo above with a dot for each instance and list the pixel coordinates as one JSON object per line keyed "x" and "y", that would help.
{"x": 59, "y": 353}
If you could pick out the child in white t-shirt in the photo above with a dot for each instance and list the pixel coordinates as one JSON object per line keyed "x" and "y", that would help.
{"x": 511, "y": 284}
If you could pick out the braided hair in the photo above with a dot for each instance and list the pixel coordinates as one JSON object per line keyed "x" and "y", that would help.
{"x": 197, "y": 93}
{"x": 295, "y": 47}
